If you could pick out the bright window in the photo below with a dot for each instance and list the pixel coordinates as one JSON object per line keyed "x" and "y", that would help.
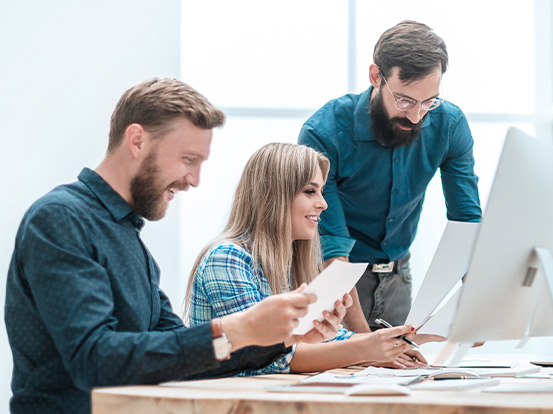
{"x": 270, "y": 65}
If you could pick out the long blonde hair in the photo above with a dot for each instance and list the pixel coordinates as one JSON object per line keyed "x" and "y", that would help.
{"x": 260, "y": 216}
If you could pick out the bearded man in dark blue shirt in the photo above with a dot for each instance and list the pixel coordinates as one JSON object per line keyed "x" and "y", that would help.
{"x": 385, "y": 145}
{"x": 83, "y": 303}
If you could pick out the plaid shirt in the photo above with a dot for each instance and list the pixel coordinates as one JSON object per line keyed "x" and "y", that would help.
{"x": 227, "y": 282}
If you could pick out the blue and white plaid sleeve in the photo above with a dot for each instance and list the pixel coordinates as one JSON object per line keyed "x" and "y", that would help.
{"x": 341, "y": 335}
{"x": 226, "y": 282}
{"x": 229, "y": 280}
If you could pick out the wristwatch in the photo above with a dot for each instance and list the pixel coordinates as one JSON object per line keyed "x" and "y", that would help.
{"x": 221, "y": 344}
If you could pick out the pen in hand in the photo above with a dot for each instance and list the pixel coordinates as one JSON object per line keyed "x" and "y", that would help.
{"x": 385, "y": 324}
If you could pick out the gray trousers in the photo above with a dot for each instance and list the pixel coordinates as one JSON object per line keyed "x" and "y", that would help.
{"x": 386, "y": 295}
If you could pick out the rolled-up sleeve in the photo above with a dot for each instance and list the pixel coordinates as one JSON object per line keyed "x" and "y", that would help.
{"x": 459, "y": 182}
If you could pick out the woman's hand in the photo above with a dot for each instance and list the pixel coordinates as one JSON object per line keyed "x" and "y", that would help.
{"x": 384, "y": 348}
{"x": 410, "y": 358}
{"x": 326, "y": 329}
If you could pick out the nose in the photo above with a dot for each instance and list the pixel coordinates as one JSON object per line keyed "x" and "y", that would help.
{"x": 192, "y": 177}
{"x": 416, "y": 113}
{"x": 321, "y": 203}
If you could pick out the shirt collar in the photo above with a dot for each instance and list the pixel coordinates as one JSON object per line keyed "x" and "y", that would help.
{"x": 362, "y": 118}
{"x": 111, "y": 199}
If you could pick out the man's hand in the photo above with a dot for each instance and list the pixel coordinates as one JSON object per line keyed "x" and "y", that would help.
{"x": 270, "y": 321}
{"x": 424, "y": 338}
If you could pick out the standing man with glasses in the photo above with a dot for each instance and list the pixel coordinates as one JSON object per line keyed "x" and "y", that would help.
{"x": 385, "y": 145}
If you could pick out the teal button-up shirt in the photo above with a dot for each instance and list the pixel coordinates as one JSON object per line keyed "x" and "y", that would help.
{"x": 374, "y": 193}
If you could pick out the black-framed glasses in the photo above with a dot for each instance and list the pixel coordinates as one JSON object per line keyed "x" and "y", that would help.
{"x": 404, "y": 104}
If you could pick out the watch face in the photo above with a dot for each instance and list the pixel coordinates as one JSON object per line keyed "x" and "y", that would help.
{"x": 222, "y": 347}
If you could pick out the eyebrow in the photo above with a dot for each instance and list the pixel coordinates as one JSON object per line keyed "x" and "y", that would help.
{"x": 315, "y": 185}
{"x": 193, "y": 155}
{"x": 413, "y": 99}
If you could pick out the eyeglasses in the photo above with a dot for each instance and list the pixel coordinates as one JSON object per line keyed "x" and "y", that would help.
{"x": 404, "y": 104}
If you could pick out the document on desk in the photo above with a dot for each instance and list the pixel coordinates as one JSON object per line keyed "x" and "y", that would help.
{"x": 436, "y": 371}
{"x": 327, "y": 382}
{"x": 457, "y": 384}
{"x": 482, "y": 363}
{"x": 514, "y": 372}
{"x": 352, "y": 379}
{"x": 448, "y": 266}
{"x": 534, "y": 386}
{"x": 425, "y": 372}
{"x": 329, "y": 286}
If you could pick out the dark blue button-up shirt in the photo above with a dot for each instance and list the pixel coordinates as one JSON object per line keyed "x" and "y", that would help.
{"x": 84, "y": 309}
{"x": 374, "y": 193}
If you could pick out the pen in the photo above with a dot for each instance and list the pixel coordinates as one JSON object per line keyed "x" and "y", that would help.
{"x": 458, "y": 377}
{"x": 385, "y": 324}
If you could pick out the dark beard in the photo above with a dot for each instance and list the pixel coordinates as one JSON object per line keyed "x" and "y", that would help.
{"x": 146, "y": 192}
{"x": 385, "y": 130}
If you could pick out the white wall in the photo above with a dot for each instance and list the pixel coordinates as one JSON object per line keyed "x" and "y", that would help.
{"x": 64, "y": 65}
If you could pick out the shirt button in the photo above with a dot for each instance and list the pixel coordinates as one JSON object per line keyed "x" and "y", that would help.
{"x": 394, "y": 192}
{"x": 391, "y": 219}
{"x": 396, "y": 159}
{"x": 385, "y": 244}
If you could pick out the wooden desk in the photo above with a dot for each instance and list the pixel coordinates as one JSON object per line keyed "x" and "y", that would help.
{"x": 248, "y": 396}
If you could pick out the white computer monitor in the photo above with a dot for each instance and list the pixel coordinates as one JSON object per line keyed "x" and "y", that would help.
{"x": 506, "y": 293}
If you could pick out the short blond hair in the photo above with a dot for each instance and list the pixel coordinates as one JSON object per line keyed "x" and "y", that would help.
{"x": 156, "y": 102}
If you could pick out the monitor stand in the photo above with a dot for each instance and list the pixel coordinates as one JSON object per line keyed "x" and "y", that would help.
{"x": 541, "y": 259}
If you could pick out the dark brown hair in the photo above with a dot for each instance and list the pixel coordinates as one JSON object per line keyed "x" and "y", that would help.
{"x": 412, "y": 47}
{"x": 156, "y": 102}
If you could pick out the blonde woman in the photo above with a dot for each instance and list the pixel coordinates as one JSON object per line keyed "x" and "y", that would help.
{"x": 271, "y": 245}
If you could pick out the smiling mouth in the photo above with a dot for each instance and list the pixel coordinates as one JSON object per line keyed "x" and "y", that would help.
{"x": 314, "y": 219}
{"x": 177, "y": 189}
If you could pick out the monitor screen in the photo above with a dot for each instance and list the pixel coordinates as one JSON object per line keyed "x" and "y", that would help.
{"x": 505, "y": 285}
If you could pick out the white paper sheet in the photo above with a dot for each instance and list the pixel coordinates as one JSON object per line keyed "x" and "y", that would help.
{"x": 440, "y": 322}
{"x": 335, "y": 379}
{"x": 448, "y": 266}
{"x": 329, "y": 286}
{"x": 457, "y": 385}
{"x": 434, "y": 370}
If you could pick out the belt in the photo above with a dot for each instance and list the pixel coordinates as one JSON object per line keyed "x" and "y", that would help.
{"x": 383, "y": 267}
{"x": 388, "y": 267}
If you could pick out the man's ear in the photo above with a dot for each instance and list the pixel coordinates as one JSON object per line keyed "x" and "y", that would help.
{"x": 135, "y": 139}
{"x": 374, "y": 76}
